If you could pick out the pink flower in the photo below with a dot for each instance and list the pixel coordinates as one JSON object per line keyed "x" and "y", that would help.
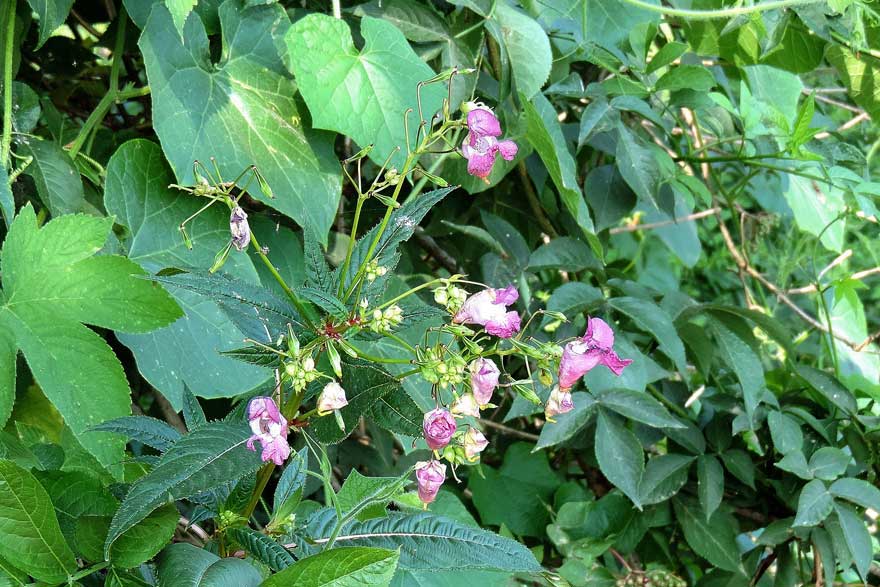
{"x": 270, "y": 428}
{"x": 430, "y": 476}
{"x": 240, "y": 229}
{"x": 559, "y": 402}
{"x": 465, "y": 405}
{"x": 484, "y": 380}
{"x": 488, "y": 308}
{"x": 595, "y": 348}
{"x": 481, "y": 146}
{"x": 438, "y": 427}
{"x": 332, "y": 398}
{"x": 474, "y": 443}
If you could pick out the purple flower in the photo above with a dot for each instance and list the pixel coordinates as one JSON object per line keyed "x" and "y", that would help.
{"x": 438, "y": 427}
{"x": 465, "y": 405}
{"x": 474, "y": 443}
{"x": 595, "y": 348}
{"x": 270, "y": 428}
{"x": 488, "y": 308}
{"x": 240, "y": 229}
{"x": 430, "y": 476}
{"x": 484, "y": 379}
{"x": 332, "y": 398}
{"x": 481, "y": 146}
{"x": 559, "y": 402}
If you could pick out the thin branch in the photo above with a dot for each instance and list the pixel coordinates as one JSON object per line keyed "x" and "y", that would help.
{"x": 856, "y": 276}
{"x": 534, "y": 202}
{"x": 436, "y": 251}
{"x": 662, "y": 223}
{"x": 509, "y": 431}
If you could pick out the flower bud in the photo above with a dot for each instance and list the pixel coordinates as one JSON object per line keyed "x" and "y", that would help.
{"x": 484, "y": 379}
{"x": 474, "y": 443}
{"x": 559, "y": 402}
{"x": 465, "y": 405}
{"x": 438, "y": 427}
{"x": 430, "y": 476}
{"x": 239, "y": 228}
{"x": 332, "y": 398}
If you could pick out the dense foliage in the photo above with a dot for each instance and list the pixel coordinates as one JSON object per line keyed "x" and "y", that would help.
{"x": 439, "y": 293}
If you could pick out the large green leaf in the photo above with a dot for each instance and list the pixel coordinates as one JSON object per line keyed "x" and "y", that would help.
{"x": 860, "y": 75}
{"x": 263, "y": 547}
{"x": 527, "y": 483}
{"x": 814, "y": 504}
{"x": 857, "y": 537}
{"x": 638, "y": 406}
{"x": 52, "y": 283}
{"x": 654, "y": 319}
{"x": 713, "y": 539}
{"x": 137, "y": 545}
{"x": 205, "y": 459}
{"x": 858, "y": 370}
{"x": 857, "y": 491}
{"x": 362, "y": 94}
{"x": 430, "y": 543}
{"x": 240, "y": 111}
{"x": 710, "y": 484}
{"x": 57, "y": 181}
{"x": 568, "y": 424}
{"x": 32, "y": 537}
{"x": 8, "y": 358}
{"x": 340, "y": 567}
{"x": 620, "y": 455}
{"x": 185, "y": 565}
{"x": 52, "y": 14}
{"x": 187, "y": 352}
{"x": 741, "y": 358}
{"x": 527, "y": 47}
{"x": 816, "y": 206}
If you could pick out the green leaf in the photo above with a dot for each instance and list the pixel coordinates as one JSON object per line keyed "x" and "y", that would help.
{"x": 858, "y": 370}
{"x": 710, "y": 484}
{"x": 198, "y": 106}
{"x": 137, "y": 545}
{"x": 814, "y": 504}
{"x": 825, "y": 550}
{"x": 527, "y": 47}
{"x": 609, "y": 196}
{"x": 653, "y": 319}
{"x": 205, "y": 459}
{"x": 860, "y": 75}
{"x": 76, "y": 494}
{"x": 263, "y": 548}
{"x": 620, "y": 456}
{"x": 664, "y": 476}
{"x": 666, "y": 55}
{"x": 857, "y": 491}
{"x": 34, "y": 540}
{"x": 398, "y": 413}
{"x": 713, "y": 539}
{"x": 340, "y": 567}
{"x": 638, "y": 165}
{"x": 431, "y": 543}
{"x": 638, "y": 406}
{"x": 52, "y": 14}
{"x": 829, "y": 387}
{"x": 817, "y": 207}
{"x": 568, "y": 424}
{"x": 545, "y": 134}
{"x": 288, "y": 491}
{"x": 740, "y": 464}
{"x": 686, "y": 77}
{"x": 72, "y": 364}
{"x": 855, "y": 532}
{"x": 572, "y": 298}
{"x": 12, "y": 577}
{"x": 57, "y": 181}
{"x": 742, "y": 360}
{"x": 185, "y": 565}
{"x": 418, "y": 22}
{"x": 7, "y": 202}
{"x": 193, "y": 414}
{"x": 829, "y": 463}
{"x": 362, "y": 94}
{"x": 144, "y": 429}
{"x": 179, "y": 10}
{"x": 369, "y": 495}
{"x": 785, "y": 432}
{"x": 564, "y": 253}
{"x": 326, "y": 301}
{"x": 527, "y": 483}
{"x": 8, "y": 358}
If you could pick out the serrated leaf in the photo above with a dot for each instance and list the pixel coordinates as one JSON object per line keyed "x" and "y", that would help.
{"x": 714, "y": 540}
{"x": 564, "y": 253}
{"x": 857, "y": 537}
{"x": 829, "y": 463}
{"x": 814, "y": 504}
{"x": 289, "y": 488}
{"x": 144, "y": 429}
{"x": 638, "y": 406}
{"x": 652, "y": 318}
{"x": 857, "y": 491}
{"x": 569, "y": 424}
{"x": 397, "y": 412}
{"x": 193, "y": 414}
{"x": 263, "y": 548}
{"x": 664, "y": 476}
{"x": 27, "y": 518}
{"x": 742, "y": 360}
{"x": 710, "y": 484}
{"x": 340, "y": 567}
{"x": 785, "y": 432}
{"x": 527, "y": 48}
{"x": 247, "y": 94}
{"x": 185, "y": 565}
{"x": 207, "y": 458}
{"x": 620, "y": 456}
{"x": 326, "y": 301}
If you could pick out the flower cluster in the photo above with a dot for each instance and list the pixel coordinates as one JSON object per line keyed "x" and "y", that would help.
{"x": 374, "y": 271}
{"x": 386, "y": 320}
{"x": 301, "y": 372}
{"x": 450, "y": 297}
{"x": 481, "y": 146}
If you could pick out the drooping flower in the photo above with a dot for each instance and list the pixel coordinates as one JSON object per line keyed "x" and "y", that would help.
{"x": 474, "y": 443}
{"x": 270, "y": 428}
{"x": 438, "y": 427}
{"x": 559, "y": 402}
{"x": 482, "y": 146}
{"x": 239, "y": 228}
{"x": 484, "y": 379}
{"x": 595, "y": 348}
{"x": 465, "y": 405}
{"x": 430, "y": 476}
{"x": 488, "y": 308}
{"x": 332, "y": 398}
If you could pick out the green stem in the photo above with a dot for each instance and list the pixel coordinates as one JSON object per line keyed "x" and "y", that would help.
{"x": 88, "y": 570}
{"x": 731, "y": 158}
{"x": 722, "y": 13}
{"x": 6, "y": 143}
{"x": 672, "y": 406}
{"x": 412, "y": 291}
{"x": 294, "y": 299}
{"x": 375, "y": 359}
{"x": 262, "y": 480}
{"x": 351, "y": 240}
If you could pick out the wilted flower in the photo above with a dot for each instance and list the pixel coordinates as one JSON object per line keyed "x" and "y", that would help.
{"x": 488, "y": 308}
{"x": 430, "y": 476}
{"x": 559, "y": 402}
{"x": 481, "y": 146}
{"x": 438, "y": 427}
{"x": 270, "y": 428}
{"x": 474, "y": 443}
{"x": 332, "y": 398}
{"x": 238, "y": 226}
{"x": 595, "y": 348}
{"x": 484, "y": 379}
{"x": 465, "y": 405}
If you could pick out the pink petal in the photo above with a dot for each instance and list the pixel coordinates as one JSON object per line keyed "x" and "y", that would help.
{"x": 615, "y": 363}
{"x": 599, "y": 334}
{"x": 483, "y": 123}
{"x": 277, "y": 450}
{"x": 508, "y": 149}
{"x": 505, "y": 328}
{"x": 506, "y": 296}
{"x": 481, "y": 165}
{"x": 577, "y": 360}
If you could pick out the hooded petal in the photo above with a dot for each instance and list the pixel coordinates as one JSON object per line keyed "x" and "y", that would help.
{"x": 430, "y": 475}
{"x": 484, "y": 379}
{"x": 438, "y": 427}
{"x": 507, "y": 295}
{"x": 559, "y": 402}
{"x": 599, "y": 334}
{"x": 480, "y": 165}
{"x": 465, "y": 405}
{"x": 276, "y": 450}
{"x": 474, "y": 443}
{"x": 577, "y": 359}
{"x": 483, "y": 123}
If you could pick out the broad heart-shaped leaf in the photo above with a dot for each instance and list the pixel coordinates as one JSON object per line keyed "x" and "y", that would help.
{"x": 714, "y": 540}
{"x": 240, "y": 111}
{"x": 527, "y": 483}
{"x": 185, "y": 565}
{"x": 362, "y": 94}
{"x": 545, "y": 135}
{"x": 205, "y": 459}
{"x": 431, "y": 543}
{"x": 340, "y": 567}
{"x": 52, "y": 283}
{"x": 32, "y": 537}
{"x": 620, "y": 455}
{"x": 187, "y": 352}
